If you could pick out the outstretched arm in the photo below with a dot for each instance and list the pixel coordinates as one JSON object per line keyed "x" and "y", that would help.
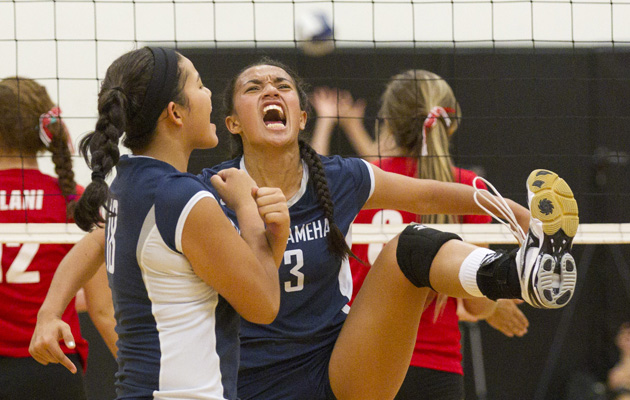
{"x": 324, "y": 101}
{"x": 74, "y": 271}
{"x": 426, "y": 196}
{"x": 351, "y": 121}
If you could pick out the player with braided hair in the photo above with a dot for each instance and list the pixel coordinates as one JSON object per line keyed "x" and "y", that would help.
{"x": 30, "y": 124}
{"x": 178, "y": 269}
{"x": 319, "y": 348}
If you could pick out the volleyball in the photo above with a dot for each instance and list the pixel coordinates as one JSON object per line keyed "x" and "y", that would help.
{"x": 314, "y": 33}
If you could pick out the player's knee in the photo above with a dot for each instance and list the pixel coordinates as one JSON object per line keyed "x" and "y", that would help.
{"x": 417, "y": 247}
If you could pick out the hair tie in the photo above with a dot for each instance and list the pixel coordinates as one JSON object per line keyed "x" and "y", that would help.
{"x": 98, "y": 175}
{"x": 160, "y": 89}
{"x": 119, "y": 89}
{"x": 45, "y": 134}
{"x": 47, "y": 118}
{"x": 435, "y": 113}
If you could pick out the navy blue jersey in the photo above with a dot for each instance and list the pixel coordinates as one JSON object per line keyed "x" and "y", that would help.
{"x": 177, "y": 337}
{"x": 315, "y": 286}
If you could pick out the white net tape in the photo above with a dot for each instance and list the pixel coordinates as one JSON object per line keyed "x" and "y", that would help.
{"x": 361, "y": 233}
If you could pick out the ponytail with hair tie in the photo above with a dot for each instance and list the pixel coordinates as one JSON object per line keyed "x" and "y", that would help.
{"x": 435, "y": 113}
{"x": 45, "y": 134}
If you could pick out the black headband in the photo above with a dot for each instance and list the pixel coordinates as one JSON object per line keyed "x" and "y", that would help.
{"x": 160, "y": 90}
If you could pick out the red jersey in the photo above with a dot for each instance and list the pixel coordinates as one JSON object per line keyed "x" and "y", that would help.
{"x": 438, "y": 343}
{"x": 28, "y": 268}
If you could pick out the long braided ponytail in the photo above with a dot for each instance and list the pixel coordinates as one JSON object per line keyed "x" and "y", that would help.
{"x": 130, "y": 102}
{"x": 337, "y": 244}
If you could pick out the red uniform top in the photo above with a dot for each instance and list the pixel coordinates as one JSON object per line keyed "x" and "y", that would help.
{"x": 438, "y": 343}
{"x": 27, "y": 269}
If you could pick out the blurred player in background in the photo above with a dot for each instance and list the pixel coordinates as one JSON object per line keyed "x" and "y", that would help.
{"x": 31, "y": 124}
{"x": 418, "y": 115}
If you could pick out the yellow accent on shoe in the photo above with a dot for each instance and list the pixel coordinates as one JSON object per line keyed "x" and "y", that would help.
{"x": 553, "y": 202}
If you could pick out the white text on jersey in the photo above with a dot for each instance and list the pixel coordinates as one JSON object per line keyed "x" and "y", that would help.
{"x": 311, "y": 231}
{"x": 16, "y": 200}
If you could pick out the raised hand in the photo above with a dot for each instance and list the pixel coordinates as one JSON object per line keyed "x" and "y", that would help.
{"x": 508, "y": 318}
{"x": 235, "y": 187}
{"x": 273, "y": 209}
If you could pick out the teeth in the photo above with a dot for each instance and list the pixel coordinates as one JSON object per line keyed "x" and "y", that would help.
{"x": 275, "y": 126}
{"x": 274, "y": 107}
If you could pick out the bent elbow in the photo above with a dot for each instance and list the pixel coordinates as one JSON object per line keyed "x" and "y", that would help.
{"x": 266, "y": 312}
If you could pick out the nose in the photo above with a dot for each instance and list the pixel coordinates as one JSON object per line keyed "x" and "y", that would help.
{"x": 271, "y": 90}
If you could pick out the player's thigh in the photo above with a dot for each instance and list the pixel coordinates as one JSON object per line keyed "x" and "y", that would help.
{"x": 374, "y": 348}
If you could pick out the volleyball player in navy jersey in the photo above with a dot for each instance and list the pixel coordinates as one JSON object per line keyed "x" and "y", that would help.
{"x": 177, "y": 266}
{"x": 319, "y": 348}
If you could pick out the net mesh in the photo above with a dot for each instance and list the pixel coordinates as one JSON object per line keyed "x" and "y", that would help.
{"x": 66, "y": 45}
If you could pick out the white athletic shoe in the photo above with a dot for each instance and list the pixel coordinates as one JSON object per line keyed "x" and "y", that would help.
{"x": 546, "y": 269}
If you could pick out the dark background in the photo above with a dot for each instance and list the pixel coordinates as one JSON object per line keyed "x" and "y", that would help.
{"x": 560, "y": 109}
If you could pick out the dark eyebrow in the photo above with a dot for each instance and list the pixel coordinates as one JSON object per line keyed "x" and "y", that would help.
{"x": 259, "y": 82}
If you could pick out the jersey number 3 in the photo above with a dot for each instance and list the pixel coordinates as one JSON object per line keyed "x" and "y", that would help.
{"x": 295, "y": 258}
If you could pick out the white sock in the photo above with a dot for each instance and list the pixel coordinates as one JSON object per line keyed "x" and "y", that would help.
{"x": 469, "y": 268}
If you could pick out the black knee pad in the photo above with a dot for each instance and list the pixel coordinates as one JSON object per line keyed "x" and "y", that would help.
{"x": 417, "y": 247}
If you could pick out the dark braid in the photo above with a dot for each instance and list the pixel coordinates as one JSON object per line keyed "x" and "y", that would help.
{"x": 119, "y": 103}
{"x": 100, "y": 150}
{"x": 337, "y": 244}
{"x": 62, "y": 159}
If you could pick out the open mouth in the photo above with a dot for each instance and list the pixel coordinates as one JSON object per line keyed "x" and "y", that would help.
{"x": 273, "y": 117}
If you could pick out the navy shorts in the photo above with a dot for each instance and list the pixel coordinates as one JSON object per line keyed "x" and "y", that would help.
{"x": 304, "y": 378}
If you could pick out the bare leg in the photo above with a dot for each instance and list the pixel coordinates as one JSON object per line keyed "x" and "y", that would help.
{"x": 374, "y": 348}
{"x": 445, "y": 268}
{"x": 373, "y": 351}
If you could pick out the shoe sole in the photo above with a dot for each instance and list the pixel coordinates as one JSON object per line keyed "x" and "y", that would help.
{"x": 554, "y": 205}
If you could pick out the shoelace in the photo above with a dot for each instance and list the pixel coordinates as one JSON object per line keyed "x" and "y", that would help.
{"x": 507, "y": 217}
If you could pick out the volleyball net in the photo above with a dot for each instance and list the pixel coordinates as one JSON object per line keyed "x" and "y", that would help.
{"x": 67, "y": 45}
{"x": 361, "y": 233}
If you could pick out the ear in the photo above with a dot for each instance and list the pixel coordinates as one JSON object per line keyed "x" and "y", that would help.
{"x": 174, "y": 114}
{"x": 233, "y": 124}
{"x": 302, "y": 120}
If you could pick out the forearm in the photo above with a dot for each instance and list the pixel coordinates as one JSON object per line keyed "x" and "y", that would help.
{"x": 100, "y": 307}
{"x": 278, "y": 244}
{"x": 480, "y": 307}
{"x": 106, "y": 326}
{"x": 74, "y": 271}
{"x": 257, "y": 238}
{"x": 320, "y": 141}
{"x": 360, "y": 139}
{"x": 459, "y": 199}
